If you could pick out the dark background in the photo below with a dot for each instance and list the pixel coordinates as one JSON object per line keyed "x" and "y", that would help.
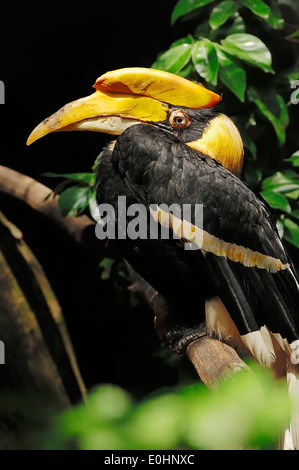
{"x": 52, "y": 53}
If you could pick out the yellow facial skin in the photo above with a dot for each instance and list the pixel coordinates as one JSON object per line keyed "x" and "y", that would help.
{"x": 221, "y": 140}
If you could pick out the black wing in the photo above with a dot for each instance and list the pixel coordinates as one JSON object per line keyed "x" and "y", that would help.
{"x": 242, "y": 249}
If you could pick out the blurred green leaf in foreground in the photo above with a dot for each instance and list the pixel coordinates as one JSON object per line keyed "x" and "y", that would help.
{"x": 248, "y": 411}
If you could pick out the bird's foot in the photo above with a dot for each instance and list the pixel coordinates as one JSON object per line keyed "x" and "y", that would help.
{"x": 178, "y": 338}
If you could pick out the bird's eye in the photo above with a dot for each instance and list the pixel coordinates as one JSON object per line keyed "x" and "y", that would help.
{"x": 179, "y": 120}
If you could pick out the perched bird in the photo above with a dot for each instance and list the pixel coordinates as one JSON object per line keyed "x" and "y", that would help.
{"x": 180, "y": 158}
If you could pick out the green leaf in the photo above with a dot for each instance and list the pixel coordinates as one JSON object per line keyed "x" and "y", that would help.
{"x": 51, "y": 193}
{"x": 204, "y": 58}
{"x": 222, "y": 12}
{"x": 231, "y": 74}
{"x": 272, "y": 107}
{"x": 74, "y": 200}
{"x": 294, "y": 194}
{"x": 277, "y": 200}
{"x": 275, "y": 19}
{"x": 252, "y": 174}
{"x": 238, "y": 26}
{"x": 250, "y": 49}
{"x": 295, "y": 213}
{"x": 185, "y": 40}
{"x": 291, "y": 232}
{"x": 243, "y": 123}
{"x": 295, "y": 34}
{"x": 61, "y": 186}
{"x": 187, "y": 71}
{"x": 88, "y": 178}
{"x": 183, "y": 7}
{"x": 249, "y": 144}
{"x": 294, "y": 159}
{"x": 258, "y": 7}
{"x": 174, "y": 59}
{"x": 245, "y": 413}
{"x": 292, "y": 75}
{"x": 106, "y": 265}
{"x": 281, "y": 182}
{"x": 202, "y": 30}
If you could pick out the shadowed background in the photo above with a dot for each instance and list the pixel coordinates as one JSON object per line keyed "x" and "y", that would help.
{"x": 52, "y": 55}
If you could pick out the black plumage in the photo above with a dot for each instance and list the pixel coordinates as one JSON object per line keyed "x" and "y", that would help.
{"x": 151, "y": 166}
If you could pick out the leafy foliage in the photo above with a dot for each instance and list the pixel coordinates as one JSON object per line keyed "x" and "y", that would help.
{"x": 245, "y": 50}
{"x": 255, "y": 406}
{"x": 76, "y": 192}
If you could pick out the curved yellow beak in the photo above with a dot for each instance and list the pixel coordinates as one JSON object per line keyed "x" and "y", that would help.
{"x": 125, "y": 97}
{"x": 161, "y": 86}
{"x": 110, "y": 113}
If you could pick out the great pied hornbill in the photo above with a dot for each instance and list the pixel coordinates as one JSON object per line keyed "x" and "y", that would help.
{"x": 175, "y": 147}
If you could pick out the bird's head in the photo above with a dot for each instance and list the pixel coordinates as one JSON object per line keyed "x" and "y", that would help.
{"x": 138, "y": 95}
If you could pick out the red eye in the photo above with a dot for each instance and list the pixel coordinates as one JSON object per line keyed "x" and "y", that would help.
{"x": 178, "y": 119}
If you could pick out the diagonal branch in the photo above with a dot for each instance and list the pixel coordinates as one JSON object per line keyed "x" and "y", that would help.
{"x": 211, "y": 358}
{"x": 31, "y": 192}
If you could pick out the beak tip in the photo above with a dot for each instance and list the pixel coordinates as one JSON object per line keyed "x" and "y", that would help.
{"x": 32, "y": 138}
{"x": 29, "y": 141}
{"x": 36, "y": 134}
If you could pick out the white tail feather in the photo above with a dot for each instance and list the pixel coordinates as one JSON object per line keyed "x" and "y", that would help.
{"x": 270, "y": 350}
{"x": 292, "y": 436}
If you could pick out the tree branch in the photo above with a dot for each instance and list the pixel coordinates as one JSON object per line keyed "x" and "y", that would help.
{"x": 31, "y": 192}
{"x": 211, "y": 358}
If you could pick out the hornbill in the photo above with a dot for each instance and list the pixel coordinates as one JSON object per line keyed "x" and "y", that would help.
{"x": 176, "y": 149}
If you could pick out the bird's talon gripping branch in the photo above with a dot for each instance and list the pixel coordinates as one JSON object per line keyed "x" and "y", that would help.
{"x": 178, "y": 339}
